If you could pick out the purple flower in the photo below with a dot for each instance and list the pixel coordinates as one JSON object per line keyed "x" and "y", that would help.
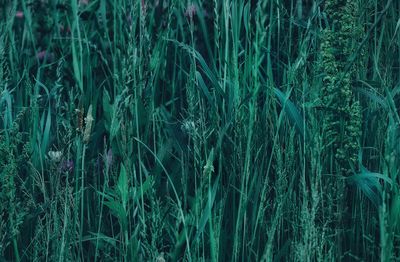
{"x": 191, "y": 10}
{"x": 67, "y": 166}
{"x": 42, "y": 55}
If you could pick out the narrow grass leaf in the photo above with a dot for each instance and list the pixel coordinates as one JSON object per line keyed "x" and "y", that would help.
{"x": 103, "y": 237}
{"x": 206, "y": 214}
{"x": 292, "y": 112}
{"x": 205, "y": 68}
{"x": 46, "y": 132}
{"x": 118, "y": 210}
{"x": 369, "y": 183}
{"x": 204, "y": 89}
{"x": 123, "y": 185}
{"x": 372, "y": 94}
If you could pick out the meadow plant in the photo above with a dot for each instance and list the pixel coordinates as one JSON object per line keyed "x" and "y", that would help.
{"x": 168, "y": 130}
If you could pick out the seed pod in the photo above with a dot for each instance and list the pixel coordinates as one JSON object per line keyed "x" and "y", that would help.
{"x": 79, "y": 119}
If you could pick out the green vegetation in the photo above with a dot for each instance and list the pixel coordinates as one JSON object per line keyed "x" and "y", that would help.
{"x": 224, "y": 130}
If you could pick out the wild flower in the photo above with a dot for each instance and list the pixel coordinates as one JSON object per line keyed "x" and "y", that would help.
{"x": 88, "y": 125}
{"x": 67, "y": 166}
{"x": 55, "y": 156}
{"x": 189, "y": 127}
{"x": 44, "y": 55}
{"x": 191, "y": 10}
{"x": 19, "y": 14}
{"x": 83, "y": 2}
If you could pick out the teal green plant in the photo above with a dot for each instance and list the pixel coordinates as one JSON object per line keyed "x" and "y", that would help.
{"x": 199, "y": 130}
{"x": 342, "y": 117}
{"x": 14, "y": 152}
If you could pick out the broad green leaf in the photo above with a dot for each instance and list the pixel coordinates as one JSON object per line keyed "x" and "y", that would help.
{"x": 147, "y": 184}
{"x": 368, "y": 182}
{"x": 118, "y": 210}
{"x": 292, "y": 112}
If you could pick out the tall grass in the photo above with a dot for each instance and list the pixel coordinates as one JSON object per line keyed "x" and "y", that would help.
{"x": 199, "y": 130}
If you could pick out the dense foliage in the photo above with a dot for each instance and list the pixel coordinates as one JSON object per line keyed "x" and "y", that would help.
{"x": 205, "y": 130}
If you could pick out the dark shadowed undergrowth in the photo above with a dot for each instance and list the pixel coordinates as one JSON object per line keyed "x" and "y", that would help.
{"x": 218, "y": 130}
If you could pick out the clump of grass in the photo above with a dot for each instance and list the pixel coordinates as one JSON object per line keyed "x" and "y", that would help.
{"x": 199, "y": 130}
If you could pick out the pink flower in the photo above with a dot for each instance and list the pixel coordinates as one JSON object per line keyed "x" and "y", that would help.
{"x": 19, "y": 14}
{"x": 42, "y": 55}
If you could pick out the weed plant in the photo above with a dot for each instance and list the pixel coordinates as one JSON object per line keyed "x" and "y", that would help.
{"x": 177, "y": 130}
